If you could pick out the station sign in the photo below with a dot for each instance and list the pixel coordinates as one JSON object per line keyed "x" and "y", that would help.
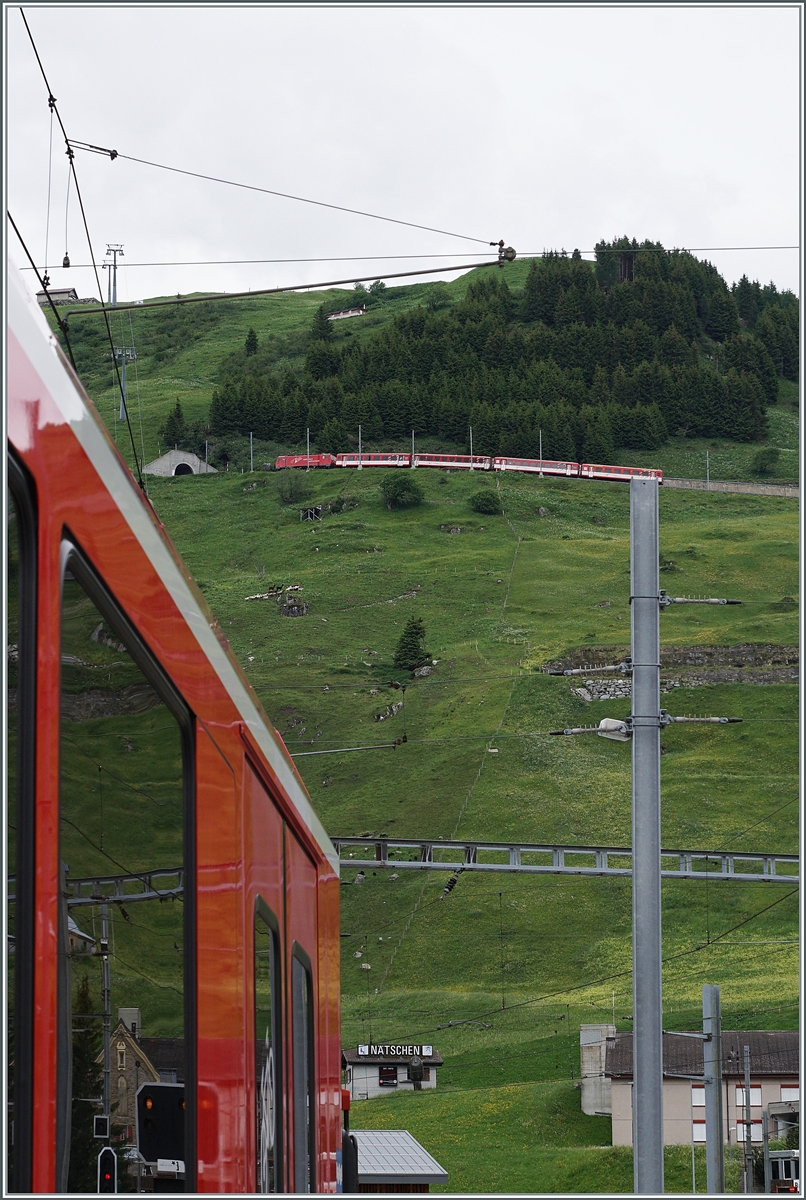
{"x": 371, "y": 1050}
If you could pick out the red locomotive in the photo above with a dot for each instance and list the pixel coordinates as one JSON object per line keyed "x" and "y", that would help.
{"x": 138, "y": 753}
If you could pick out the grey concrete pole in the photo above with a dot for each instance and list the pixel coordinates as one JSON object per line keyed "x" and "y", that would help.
{"x": 471, "y": 447}
{"x": 646, "y": 889}
{"x": 748, "y": 1125}
{"x": 107, "y": 1009}
{"x": 712, "y": 1074}
{"x": 359, "y": 449}
{"x": 765, "y": 1130}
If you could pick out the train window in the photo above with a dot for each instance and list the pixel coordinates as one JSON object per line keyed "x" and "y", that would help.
{"x": 20, "y": 763}
{"x": 268, "y": 1056}
{"x": 125, "y": 791}
{"x": 302, "y": 1045}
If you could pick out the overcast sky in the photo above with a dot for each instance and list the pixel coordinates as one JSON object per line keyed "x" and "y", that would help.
{"x": 549, "y": 127}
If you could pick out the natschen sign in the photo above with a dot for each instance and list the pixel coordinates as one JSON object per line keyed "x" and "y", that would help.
{"x": 397, "y": 1051}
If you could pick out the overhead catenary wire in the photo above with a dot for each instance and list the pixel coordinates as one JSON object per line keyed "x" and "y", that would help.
{"x": 71, "y": 159}
{"x": 62, "y": 325}
{"x": 114, "y": 154}
{"x": 294, "y": 287}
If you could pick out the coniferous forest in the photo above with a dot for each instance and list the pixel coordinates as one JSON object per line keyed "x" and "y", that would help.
{"x": 624, "y": 352}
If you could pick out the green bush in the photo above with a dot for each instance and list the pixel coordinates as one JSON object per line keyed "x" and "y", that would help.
{"x": 485, "y": 502}
{"x": 400, "y": 491}
{"x": 765, "y": 461}
{"x": 293, "y": 486}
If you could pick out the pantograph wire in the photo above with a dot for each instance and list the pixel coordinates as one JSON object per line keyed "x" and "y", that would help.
{"x": 71, "y": 160}
{"x": 59, "y": 322}
{"x": 113, "y": 154}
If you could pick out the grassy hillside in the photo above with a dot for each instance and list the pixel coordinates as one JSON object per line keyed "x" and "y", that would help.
{"x": 500, "y": 974}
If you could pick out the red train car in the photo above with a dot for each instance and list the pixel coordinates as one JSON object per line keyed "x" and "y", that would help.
{"x": 373, "y": 460}
{"x": 618, "y": 474}
{"x": 161, "y": 842}
{"x": 453, "y": 462}
{"x": 304, "y": 460}
{"x": 536, "y": 466}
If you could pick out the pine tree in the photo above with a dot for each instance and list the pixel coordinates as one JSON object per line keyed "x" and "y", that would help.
{"x": 411, "y": 652}
{"x": 250, "y": 345}
{"x": 174, "y": 431}
{"x": 87, "y": 1082}
{"x": 321, "y": 328}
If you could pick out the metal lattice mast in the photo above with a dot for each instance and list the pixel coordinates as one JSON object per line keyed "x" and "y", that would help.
{"x": 646, "y": 897}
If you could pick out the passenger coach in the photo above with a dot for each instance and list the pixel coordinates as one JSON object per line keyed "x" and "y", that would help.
{"x": 156, "y": 819}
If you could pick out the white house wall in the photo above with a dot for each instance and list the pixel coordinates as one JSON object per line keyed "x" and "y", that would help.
{"x": 363, "y": 1082}
{"x": 678, "y": 1111}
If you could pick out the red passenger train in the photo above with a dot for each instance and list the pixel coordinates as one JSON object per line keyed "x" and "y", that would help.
{"x": 478, "y": 462}
{"x": 138, "y": 753}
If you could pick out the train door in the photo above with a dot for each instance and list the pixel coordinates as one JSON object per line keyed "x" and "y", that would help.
{"x": 267, "y": 1065}
{"x": 301, "y": 957}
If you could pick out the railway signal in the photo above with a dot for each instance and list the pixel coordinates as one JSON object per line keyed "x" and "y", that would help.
{"x": 107, "y": 1170}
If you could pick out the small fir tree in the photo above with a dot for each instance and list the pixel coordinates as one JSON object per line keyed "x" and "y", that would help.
{"x": 250, "y": 345}
{"x": 411, "y": 652}
{"x": 174, "y": 430}
{"x": 321, "y": 328}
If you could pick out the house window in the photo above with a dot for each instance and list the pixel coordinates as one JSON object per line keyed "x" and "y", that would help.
{"x": 755, "y": 1096}
{"x": 755, "y": 1131}
{"x": 121, "y": 1060}
{"x": 790, "y": 1093}
{"x": 698, "y": 1131}
{"x": 387, "y": 1076}
{"x": 698, "y": 1095}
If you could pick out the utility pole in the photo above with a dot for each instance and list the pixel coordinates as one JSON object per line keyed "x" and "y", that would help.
{"x": 412, "y": 447}
{"x": 107, "y": 1008}
{"x": 541, "y": 453}
{"x": 646, "y": 879}
{"x": 471, "y": 447}
{"x": 308, "y": 440}
{"x": 748, "y": 1126}
{"x": 251, "y": 456}
{"x": 712, "y": 1077}
{"x": 359, "y": 449}
{"x": 115, "y": 249}
{"x": 707, "y": 471}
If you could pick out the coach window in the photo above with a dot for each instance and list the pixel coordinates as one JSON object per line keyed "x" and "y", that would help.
{"x": 20, "y": 765}
{"x": 268, "y": 1056}
{"x": 125, "y": 791}
{"x": 302, "y": 1034}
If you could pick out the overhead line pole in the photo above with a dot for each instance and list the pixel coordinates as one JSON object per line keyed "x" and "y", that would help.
{"x": 647, "y": 1110}
{"x": 712, "y": 1077}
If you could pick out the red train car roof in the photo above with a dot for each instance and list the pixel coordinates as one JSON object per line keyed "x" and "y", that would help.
{"x": 28, "y": 327}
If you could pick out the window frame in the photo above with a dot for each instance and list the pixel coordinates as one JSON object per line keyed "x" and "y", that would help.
{"x": 299, "y": 1073}
{"x": 23, "y": 490}
{"x": 73, "y": 559}
{"x": 268, "y": 917}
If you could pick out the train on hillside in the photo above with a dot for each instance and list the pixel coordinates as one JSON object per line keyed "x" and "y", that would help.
{"x": 466, "y": 462}
{"x": 158, "y": 828}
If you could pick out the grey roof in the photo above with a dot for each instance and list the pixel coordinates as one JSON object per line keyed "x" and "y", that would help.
{"x": 772, "y": 1052}
{"x": 394, "y": 1156}
{"x": 165, "y": 1054}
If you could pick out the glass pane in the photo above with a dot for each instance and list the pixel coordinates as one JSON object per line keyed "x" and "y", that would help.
{"x": 267, "y": 1056}
{"x": 122, "y": 994}
{"x": 12, "y": 658}
{"x": 303, "y": 1064}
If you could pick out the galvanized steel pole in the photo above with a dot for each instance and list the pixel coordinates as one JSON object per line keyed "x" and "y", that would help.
{"x": 712, "y": 1076}
{"x": 748, "y": 1125}
{"x": 646, "y": 879}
